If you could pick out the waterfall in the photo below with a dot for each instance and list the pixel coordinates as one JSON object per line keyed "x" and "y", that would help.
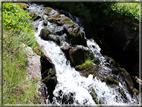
{"x": 72, "y": 86}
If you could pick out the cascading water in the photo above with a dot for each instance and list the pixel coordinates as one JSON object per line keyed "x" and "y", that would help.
{"x": 72, "y": 87}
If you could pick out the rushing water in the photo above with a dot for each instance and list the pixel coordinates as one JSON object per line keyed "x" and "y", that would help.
{"x": 72, "y": 86}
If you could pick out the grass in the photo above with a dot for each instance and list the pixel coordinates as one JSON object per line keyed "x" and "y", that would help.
{"x": 18, "y": 87}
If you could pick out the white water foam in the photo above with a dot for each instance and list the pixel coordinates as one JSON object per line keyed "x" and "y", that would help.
{"x": 96, "y": 50}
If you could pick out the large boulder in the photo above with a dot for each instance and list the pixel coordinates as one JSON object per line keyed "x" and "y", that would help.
{"x": 75, "y": 36}
{"x": 74, "y": 32}
{"x": 44, "y": 33}
{"x": 77, "y": 56}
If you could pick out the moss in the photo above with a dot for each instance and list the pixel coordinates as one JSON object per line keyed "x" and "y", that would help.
{"x": 22, "y": 5}
{"x": 85, "y": 66}
{"x": 48, "y": 10}
{"x": 69, "y": 22}
{"x": 111, "y": 81}
{"x": 79, "y": 33}
{"x": 124, "y": 72}
{"x": 94, "y": 96}
{"x": 66, "y": 19}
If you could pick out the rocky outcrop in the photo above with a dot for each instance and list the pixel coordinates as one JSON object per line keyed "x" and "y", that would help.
{"x": 34, "y": 69}
{"x": 48, "y": 73}
{"x": 66, "y": 25}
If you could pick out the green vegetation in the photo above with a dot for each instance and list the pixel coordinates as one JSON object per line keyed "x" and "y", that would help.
{"x": 111, "y": 81}
{"x": 128, "y": 9}
{"x": 87, "y": 65}
{"x": 17, "y": 88}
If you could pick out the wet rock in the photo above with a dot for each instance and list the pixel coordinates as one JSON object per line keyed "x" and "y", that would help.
{"x": 77, "y": 56}
{"x": 35, "y": 16}
{"x": 48, "y": 73}
{"x": 44, "y": 33}
{"x": 94, "y": 96}
{"x": 59, "y": 30}
{"x": 115, "y": 71}
{"x": 111, "y": 81}
{"x": 96, "y": 61}
{"x": 45, "y": 23}
{"x": 122, "y": 93}
{"x": 127, "y": 79}
{"x": 65, "y": 98}
{"x": 75, "y": 35}
{"x": 54, "y": 38}
{"x": 66, "y": 49}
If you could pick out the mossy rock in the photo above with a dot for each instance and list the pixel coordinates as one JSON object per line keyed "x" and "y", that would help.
{"x": 111, "y": 81}
{"x": 69, "y": 22}
{"x": 65, "y": 19}
{"x": 44, "y": 33}
{"x": 122, "y": 93}
{"x": 54, "y": 18}
{"x": 22, "y": 5}
{"x": 94, "y": 96}
{"x": 47, "y": 10}
{"x": 135, "y": 91}
{"x": 127, "y": 78}
{"x": 72, "y": 34}
{"x": 77, "y": 56}
{"x": 115, "y": 71}
{"x": 34, "y": 16}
